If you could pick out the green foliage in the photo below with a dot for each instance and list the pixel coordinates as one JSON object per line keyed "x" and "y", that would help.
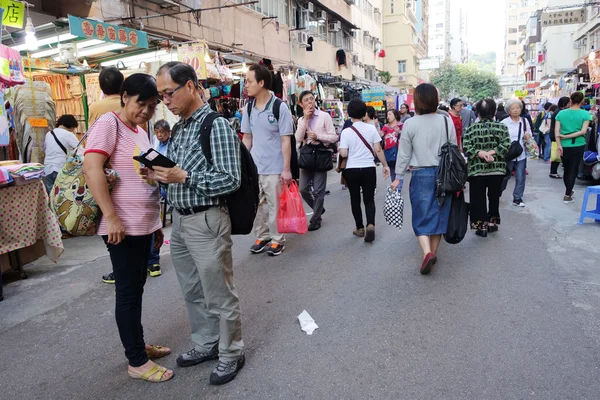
{"x": 385, "y": 76}
{"x": 485, "y": 61}
{"x": 464, "y": 81}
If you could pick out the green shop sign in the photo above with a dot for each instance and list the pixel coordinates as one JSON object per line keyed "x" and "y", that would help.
{"x": 90, "y": 29}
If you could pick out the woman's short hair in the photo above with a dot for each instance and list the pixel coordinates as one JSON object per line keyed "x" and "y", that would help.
{"x": 68, "y": 121}
{"x": 577, "y": 97}
{"x": 357, "y": 109}
{"x": 454, "y": 102}
{"x": 162, "y": 125}
{"x": 371, "y": 112}
{"x": 552, "y": 108}
{"x": 512, "y": 102}
{"x": 141, "y": 85}
{"x": 426, "y": 99}
{"x": 396, "y": 114}
{"x": 405, "y": 105}
{"x": 486, "y": 108}
{"x": 500, "y": 107}
{"x": 563, "y": 102}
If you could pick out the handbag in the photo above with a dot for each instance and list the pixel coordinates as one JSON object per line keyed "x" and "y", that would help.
{"x": 515, "y": 149}
{"x": 554, "y": 156}
{"x": 452, "y": 171}
{"x": 343, "y": 161}
{"x": 458, "y": 219}
{"x": 315, "y": 157}
{"x": 393, "y": 208}
{"x": 63, "y": 148}
{"x": 71, "y": 200}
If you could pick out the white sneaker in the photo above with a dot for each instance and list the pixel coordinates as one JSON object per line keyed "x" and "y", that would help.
{"x": 518, "y": 203}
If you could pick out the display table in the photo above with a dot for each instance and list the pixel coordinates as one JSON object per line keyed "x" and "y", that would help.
{"x": 26, "y": 218}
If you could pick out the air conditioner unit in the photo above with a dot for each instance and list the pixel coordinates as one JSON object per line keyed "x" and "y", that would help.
{"x": 303, "y": 38}
{"x": 355, "y": 59}
{"x": 334, "y": 26}
{"x": 401, "y": 79}
{"x": 350, "y": 2}
{"x": 310, "y": 7}
{"x": 376, "y": 10}
{"x": 366, "y": 33}
{"x": 321, "y": 16}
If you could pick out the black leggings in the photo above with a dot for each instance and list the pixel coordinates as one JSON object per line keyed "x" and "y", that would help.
{"x": 479, "y": 187}
{"x": 130, "y": 265}
{"x": 571, "y": 160}
{"x": 365, "y": 178}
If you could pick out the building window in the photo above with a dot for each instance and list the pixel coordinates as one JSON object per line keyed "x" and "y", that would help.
{"x": 272, "y": 8}
{"x": 437, "y": 26}
{"x": 402, "y": 67}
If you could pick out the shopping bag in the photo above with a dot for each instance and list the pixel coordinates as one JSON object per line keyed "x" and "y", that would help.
{"x": 393, "y": 208}
{"x": 458, "y": 220}
{"x": 554, "y": 157}
{"x": 532, "y": 148}
{"x": 291, "y": 217}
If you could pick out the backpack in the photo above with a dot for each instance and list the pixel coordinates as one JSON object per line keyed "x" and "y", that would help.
{"x": 452, "y": 171}
{"x": 243, "y": 203}
{"x": 276, "y": 107}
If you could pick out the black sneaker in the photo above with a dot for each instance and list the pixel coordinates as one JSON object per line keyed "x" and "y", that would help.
{"x": 314, "y": 226}
{"x": 226, "y": 371}
{"x": 154, "y": 270}
{"x": 259, "y": 246}
{"x": 275, "y": 249}
{"x": 110, "y": 278}
{"x": 194, "y": 357}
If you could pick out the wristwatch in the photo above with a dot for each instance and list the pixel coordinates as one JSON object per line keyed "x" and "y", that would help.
{"x": 188, "y": 177}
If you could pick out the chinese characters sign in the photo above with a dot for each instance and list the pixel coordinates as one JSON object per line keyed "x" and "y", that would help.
{"x": 193, "y": 54}
{"x": 564, "y": 17}
{"x": 90, "y": 29}
{"x": 14, "y": 13}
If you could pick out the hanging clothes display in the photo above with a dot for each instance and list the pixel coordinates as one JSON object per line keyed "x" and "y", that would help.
{"x": 305, "y": 82}
{"x": 277, "y": 86}
{"x": 67, "y": 93}
{"x": 26, "y": 98}
{"x": 340, "y": 57}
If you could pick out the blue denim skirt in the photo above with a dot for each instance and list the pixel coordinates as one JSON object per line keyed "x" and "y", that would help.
{"x": 428, "y": 218}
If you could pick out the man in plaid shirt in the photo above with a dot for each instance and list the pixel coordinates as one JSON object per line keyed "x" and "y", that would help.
{"x": 201, "y": 237}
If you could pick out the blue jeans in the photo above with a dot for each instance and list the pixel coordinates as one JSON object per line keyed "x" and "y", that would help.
{"x": 547, "y": 147}
{"x": 49, "y": 181}
{"x": 519, "y": 167}
{"x": 154, "y": 255}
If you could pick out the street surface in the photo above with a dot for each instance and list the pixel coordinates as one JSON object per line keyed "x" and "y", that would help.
{"x": 513, "y": 316}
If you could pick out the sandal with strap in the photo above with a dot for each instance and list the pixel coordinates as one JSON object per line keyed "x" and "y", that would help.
{"x": 157, "y": 351}
{"x": 155, "y": 374}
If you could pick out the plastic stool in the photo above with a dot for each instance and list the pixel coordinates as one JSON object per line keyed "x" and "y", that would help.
{"x": 585, "y": 213}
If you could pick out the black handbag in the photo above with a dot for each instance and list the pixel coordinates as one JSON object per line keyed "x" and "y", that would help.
{"x": 515, "y": 149}
{"x": 315, "y": 157}
{"x": 452, "y": 171}
{"x": 458, "y": 220}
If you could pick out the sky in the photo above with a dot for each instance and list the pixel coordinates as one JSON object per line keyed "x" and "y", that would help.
{"x": 485, "y": 25}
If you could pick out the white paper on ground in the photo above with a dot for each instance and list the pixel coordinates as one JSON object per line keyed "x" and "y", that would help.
{"x": 307, "y": 323}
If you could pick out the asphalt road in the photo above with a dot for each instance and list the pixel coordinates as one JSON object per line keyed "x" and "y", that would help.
{"x": 513, "y": 316}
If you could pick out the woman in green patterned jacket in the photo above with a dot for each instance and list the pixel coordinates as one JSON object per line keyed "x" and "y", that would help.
{"x": 485, "y": 143}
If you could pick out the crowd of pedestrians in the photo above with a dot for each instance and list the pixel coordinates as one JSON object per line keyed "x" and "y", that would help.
{"x": 201, "y": 244}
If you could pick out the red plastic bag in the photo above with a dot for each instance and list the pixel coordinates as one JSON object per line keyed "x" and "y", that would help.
{"x": 291, "y": 217}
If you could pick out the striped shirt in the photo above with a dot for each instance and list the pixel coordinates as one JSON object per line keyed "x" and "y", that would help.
{"x": 207, "y": 181}
{"x": 136, "y": 201}
{"x": 486, "y": 135}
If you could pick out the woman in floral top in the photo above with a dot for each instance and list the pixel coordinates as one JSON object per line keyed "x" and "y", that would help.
{"x": 486, "y": 143}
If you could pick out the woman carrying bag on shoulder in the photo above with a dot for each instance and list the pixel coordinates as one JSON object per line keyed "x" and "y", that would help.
{"x": 391, "y": 136}
{"x": 422, "y": 139}
{"x": 360, "y": 144}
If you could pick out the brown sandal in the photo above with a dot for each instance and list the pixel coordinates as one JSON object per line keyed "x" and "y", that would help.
{"x": 157, "y": 351}
{"x": 154, "y": 374}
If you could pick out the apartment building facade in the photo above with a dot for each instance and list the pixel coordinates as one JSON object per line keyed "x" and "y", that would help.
{"x": 439, "y": 29}
{"x": 405, "y": 33}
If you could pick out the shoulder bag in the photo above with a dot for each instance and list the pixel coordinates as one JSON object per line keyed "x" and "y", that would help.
{"x": 343, "y": 161}
{"x": 515, "y": 149}
{"x": 58, "y": 142}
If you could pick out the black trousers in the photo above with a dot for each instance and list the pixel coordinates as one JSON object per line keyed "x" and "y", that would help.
{"x": 365, "y": 179}
{"x": 484, "y": 211}
{"x": 571, "y": 160}
{"x": 130, "y": 266}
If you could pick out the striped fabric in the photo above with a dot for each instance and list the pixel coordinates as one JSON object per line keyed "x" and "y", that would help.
{"x": 136, "y": 201}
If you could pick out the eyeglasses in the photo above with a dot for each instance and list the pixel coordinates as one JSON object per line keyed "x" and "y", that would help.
{"x": 169, "y": 95}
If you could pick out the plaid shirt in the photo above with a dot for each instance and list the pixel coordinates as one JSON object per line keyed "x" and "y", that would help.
{"x": 207, "y": 181}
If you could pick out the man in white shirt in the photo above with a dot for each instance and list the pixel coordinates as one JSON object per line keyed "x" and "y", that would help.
{"x": 57, "y": 144}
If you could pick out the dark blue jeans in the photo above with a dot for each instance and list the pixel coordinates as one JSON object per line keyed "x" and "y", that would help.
{"x": 547, "y": 147}
{"x": 130, "y": 265}
{"x": 519, "y": 167}
{"x": 154, "y": 256}
{"x": 49, "y": 181}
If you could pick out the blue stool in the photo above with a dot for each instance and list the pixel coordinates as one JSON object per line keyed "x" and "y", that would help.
{"x": 591, "y": 213}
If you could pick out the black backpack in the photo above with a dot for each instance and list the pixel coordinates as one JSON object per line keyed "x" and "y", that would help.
{"x": 243, "y": 203}
{"x": 452, "y": 172}
{"x": 276, "y": 107}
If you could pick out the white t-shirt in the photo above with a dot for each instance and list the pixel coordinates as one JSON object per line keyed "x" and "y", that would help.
{"x": 359, "y": 156}
{"x": 55, "y": 157}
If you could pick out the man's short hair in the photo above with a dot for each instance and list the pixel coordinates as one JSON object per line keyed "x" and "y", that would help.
{"x": 357, "y": 109}
{"x": 304, "y": 94}
{"x": 110, "y": 80}
{"x": 180, "y": 73}
{"x": 262, "y": 74}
